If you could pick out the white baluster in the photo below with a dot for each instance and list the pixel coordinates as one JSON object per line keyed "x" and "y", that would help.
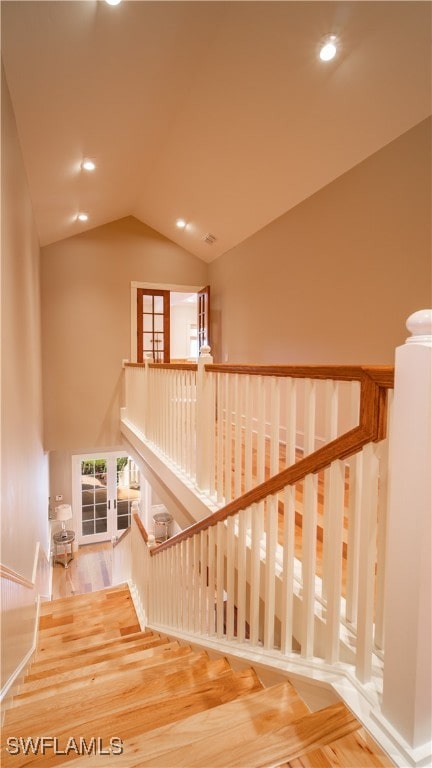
{"x": 211, "y": 579}
{"x": 367, "y": 559}
{"x": 220, "y": 556}
{"x": 353, "y": 543}
{"x": 255, "y": 572}
{"x": 291, "y": 421}
{"x": 288, "y": 569}
{"x": 191, "y": 579}
{"x": 309, "y": 532}
{"x": 270, "y": 562}
{"x": 197, "y": 582}
{"x": 182, "y": 607}
{"x": 381, "y": 539}
{"x": 241, "y": 576}
{"x": 203, "y": 580}
{"x": 220, "y": 437}
{"x": 230, "y": 588}
{"x": 228, "y": 440}
{"x": 205, "y": 420}
{"x": 248, "y": 432}
{"x": 169, "y": 594}
{"x": 334, "y": 535}
{"x": 309, "y": 416}
{"x": 331, "y": 428}
{"x": 274, "y": 425}
{"x": 237, "y": 437}
{"x": 261, "y": 424}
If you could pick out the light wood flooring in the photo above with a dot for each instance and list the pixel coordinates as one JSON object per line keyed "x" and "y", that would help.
{"x": 96, "y": 676}
{"x": 89, "y": 571}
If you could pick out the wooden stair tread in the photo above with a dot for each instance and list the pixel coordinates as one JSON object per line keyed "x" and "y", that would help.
{"x": 56, "y": 626}
{"x": 315, "y": 759}
{"x": 65, "y": 643}
{"x": 95, "y": 702}
{"x": 93, "y": 634}
{"x": 142, "y": 717}
{"x": 46, "y": 655}
{"x": 91, "y": 601}
{"x": 151, "y": 667}
{"x": 86, "y": 598}
{"x": 138, "y": 685}
{"x": 257, "y": 743}
{"x": 96, "y": 673}
{"x": 96, "y": 656}
{"x": 358, "y": 750}
{"x": 96, "y": 666}
{"x": 264, "y": 707}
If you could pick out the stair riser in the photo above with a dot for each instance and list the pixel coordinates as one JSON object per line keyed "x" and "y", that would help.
{"x": 89, "y": 659}
{"x": 155, "y": 667}
{"x": 90, "y": 669}
{"x": 151, "y": 691}
{"x": 50, "y": 656}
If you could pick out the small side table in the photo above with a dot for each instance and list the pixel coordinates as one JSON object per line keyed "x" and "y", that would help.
{"x": 63, "y": 547}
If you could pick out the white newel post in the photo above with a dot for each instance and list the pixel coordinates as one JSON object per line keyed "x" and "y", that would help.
{"x": 407, "y": 666}
{"x": 205, "y": 421}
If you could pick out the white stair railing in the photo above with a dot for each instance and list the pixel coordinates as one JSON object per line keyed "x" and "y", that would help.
{"x": 249, "y": 576}
{"x": 226, "y": 429}
{"x": 229, "y": 582}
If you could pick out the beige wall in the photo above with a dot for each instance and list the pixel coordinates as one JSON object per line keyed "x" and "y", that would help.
{"x": 24, "y": 473}
{"x": 334, "y": 279}
{"x": 86, "y": 324}
{"x": 86, "y": 320}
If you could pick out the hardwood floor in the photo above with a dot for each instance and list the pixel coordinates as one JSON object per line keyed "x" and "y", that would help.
{"x": 89, "y": 571}
{"x": 96, "y": 675}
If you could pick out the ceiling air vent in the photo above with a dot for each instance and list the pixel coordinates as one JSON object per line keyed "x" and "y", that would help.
{"x": 209, "y": 238}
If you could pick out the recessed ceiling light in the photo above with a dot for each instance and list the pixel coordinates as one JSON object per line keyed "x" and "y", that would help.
{"x": 82, "y": 217}
{"x": 181, "y": 223}
{"x": 88, "y": 165}
{"x": 328, "y": 50}
{"x": 113, "y": 2}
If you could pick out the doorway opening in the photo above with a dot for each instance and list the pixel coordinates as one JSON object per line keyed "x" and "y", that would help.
{"x": 104, "y": 487}
{"x": 168, "y": 323}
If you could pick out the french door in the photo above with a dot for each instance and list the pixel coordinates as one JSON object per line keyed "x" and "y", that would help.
{"x": 203, "y": 318}
{"x": 153, "y": 325}
{"x": 151, "y": 322}
{"x": 104, "y": 487}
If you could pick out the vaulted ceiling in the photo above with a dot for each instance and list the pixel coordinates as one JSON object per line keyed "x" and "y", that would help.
{"x": 218, "y": 112}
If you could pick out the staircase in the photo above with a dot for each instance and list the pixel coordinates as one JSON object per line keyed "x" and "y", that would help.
{"x": 102, "y": 691}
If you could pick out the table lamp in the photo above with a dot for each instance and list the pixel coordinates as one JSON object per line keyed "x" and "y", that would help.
{"x": 63, "y": 512}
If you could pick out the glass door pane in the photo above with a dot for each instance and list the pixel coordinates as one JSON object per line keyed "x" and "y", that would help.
{"x": 128, "y": 490}
{"x": 94, "y": 499}
{"x": 104, "y": 487}
{"x": 153, "y": 325}
{"x": 203, "y": 319}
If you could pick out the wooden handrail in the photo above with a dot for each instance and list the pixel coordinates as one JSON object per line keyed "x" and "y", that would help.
{"x": 10, "y": 575}
{"x": 141, "y": 528}
{"x": 123, "y": 536}
{"x": 168, "y": 366}
{"x": 381, "y": 375}
{"x": 374, "y": 383}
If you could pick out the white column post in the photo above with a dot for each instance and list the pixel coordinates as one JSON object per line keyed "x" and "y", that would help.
{"x": 407, "y": 663}
{"x": 204, "y": 421}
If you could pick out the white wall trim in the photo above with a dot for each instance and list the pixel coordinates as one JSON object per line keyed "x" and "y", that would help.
{"x": 39, "y": 554}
